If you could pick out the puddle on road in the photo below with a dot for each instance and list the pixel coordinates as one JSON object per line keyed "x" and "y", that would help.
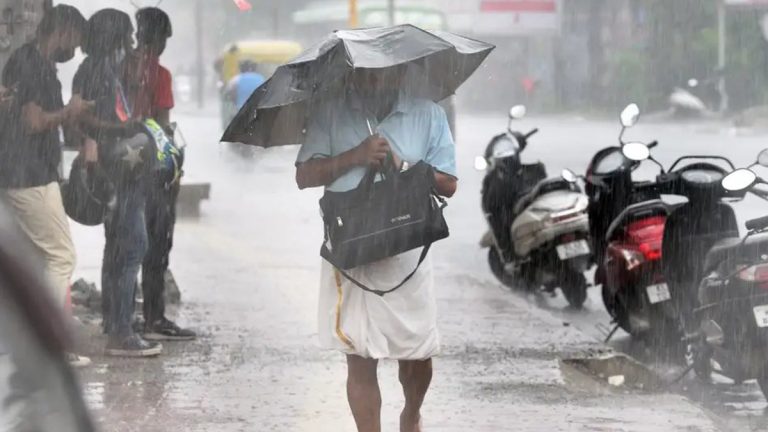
{"x": 609, "y": 372}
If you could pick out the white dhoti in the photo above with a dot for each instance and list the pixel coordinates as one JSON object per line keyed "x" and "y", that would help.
{"x": 401, "y": 325}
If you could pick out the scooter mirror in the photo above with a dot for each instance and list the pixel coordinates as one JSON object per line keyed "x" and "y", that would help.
{"x": 739, "y": 180}
{"x": 693, "y": 82}
{"x": 517, "y": 112}
{"x": 568, "y": 176}
{"x": 636, "y": 151}
{"x": 762, "y": 158}
{"x": 630, "y": 115}
{"x": 481, "y": 164}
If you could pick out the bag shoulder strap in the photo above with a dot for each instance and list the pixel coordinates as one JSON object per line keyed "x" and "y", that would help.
{"x": 329, "y": 257}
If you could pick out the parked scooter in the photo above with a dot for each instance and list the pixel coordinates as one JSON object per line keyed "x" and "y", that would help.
{"x": 733, "y": 316}
{"x": 539, "y": 228}
{"x": 692, "y": 228}
{"x": 697, "y": 98}
{"x": 627, "y": 221}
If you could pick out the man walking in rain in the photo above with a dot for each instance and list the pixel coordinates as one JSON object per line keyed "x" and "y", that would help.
{"x": 402, "y": 325}
{"x": 30, "y": 150}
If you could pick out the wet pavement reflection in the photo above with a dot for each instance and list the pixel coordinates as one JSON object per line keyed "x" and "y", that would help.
{"x": 248, "y": 270}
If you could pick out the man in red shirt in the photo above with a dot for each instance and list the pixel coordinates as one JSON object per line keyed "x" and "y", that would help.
{"x": 149, "y": 84}
{"x": 150, "y": 95}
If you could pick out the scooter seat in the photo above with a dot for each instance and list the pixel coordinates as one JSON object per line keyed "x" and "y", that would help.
{"x": 735, "y": 249}
{"x": 543, "y": 187}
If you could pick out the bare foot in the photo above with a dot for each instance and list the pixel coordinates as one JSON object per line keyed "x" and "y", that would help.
{"x": 410, "y": 423}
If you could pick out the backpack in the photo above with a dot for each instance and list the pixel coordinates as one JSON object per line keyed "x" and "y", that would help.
{"x": 170, "y": 155}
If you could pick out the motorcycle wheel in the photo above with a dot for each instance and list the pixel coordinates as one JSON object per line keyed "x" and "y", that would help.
{"x": 697, "y": 356}
{"x": 497, "y": 268}
{"x": 574, "y": 288}
{"x": 616, "y": 310}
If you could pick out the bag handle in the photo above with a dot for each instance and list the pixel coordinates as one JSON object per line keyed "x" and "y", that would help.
{"x": 328, "y": 257}
{"x": 387, "y": 171}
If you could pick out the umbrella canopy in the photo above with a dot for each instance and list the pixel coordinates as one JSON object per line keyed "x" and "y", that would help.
{"x": 436, "y": 63}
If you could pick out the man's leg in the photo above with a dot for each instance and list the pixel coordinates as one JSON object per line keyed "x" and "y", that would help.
{"x": 161, "y": 222}
{"x": 61, "y": 253}
{"x": 129, "y": 244}
{"x": 40, "y": 213}
{"x": 108, "y": 261}
{"x": 415, "y": 377}
{"x": 156, "y": 260}
{"x": 363, "y": 393}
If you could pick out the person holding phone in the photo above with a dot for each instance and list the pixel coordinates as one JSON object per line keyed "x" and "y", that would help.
{"x": 30, "y": 145}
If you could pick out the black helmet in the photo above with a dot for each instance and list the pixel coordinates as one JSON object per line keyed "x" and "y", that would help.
{"x": 153, "y": 25}
{"x": 88, "y": 195}
{"x": 107, "y": 32}
{"x": 131, "y": 157}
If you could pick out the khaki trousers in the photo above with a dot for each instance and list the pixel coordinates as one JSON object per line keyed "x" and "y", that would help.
{"x": 39, "y": 212}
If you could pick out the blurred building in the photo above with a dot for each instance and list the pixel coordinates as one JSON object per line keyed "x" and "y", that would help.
{"x": 551, "y": 54}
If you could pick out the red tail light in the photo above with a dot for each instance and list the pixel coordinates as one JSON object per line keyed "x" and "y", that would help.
{"x": 648, "y": 234}
{"x": 755, "y": 274}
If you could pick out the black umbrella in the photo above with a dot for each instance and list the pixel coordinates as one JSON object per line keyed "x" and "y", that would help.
{"x": 436, "y": 62}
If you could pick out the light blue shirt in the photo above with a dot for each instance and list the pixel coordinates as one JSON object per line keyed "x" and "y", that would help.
{"x": 417, "y": 130}
{"x": 247, "y": 83}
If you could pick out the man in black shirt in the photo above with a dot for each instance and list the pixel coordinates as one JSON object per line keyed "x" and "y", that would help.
{"x": 30, "y": 143}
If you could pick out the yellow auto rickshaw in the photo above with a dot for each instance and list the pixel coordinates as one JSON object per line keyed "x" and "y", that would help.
{"x": 266, "y": 54}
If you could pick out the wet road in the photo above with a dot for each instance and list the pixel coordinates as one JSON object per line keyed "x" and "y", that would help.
{"x": 249, "y": 274}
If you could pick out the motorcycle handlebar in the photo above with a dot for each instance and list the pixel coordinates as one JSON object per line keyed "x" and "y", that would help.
{"x": 646, "y": 187}
{"x": 757, "y": 224}
{"x": 531, "y": 133}
{"x": 759, "y": 193}
{"x": 653, "y": 144}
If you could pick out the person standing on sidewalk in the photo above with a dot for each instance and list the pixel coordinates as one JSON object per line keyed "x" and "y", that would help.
{"x": 125, "y": 161}
{"x": 365, "y": 326}
{"x": 150, "y": 92}
{"x": 30, "y": 152}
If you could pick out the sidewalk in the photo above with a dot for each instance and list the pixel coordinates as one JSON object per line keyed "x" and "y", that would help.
{"x": 256, "y": 368}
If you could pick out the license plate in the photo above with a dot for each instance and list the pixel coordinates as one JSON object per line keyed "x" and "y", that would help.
{"x": 658, "y": 293}
{"x": 761, "y": 315}
{"x": 573, "y": 249}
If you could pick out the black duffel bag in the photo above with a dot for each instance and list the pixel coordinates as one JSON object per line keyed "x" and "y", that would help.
{"x": 381, "y": 219}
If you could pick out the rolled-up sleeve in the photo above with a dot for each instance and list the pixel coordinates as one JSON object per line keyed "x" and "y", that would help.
{"x": 441, "y": 152}
{"x": 317, "y": 141}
